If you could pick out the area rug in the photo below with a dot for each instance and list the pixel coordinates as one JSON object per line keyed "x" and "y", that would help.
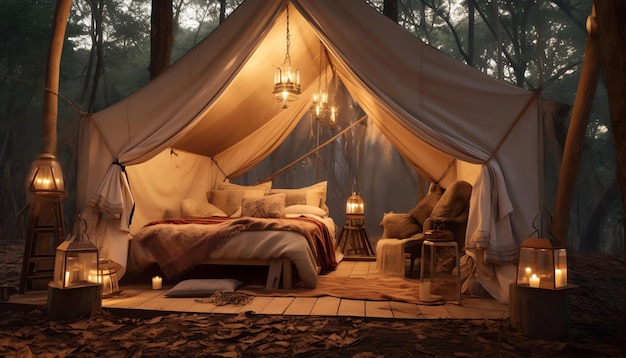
{"x": 377, "y": 288}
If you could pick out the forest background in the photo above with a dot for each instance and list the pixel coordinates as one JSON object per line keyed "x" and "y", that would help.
{"x": 534, "y": 44}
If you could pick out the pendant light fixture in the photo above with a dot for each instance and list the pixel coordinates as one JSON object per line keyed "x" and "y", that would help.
{"x": 286, "y": 80}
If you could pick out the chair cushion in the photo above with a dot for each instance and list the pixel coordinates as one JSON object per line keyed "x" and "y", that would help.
{"x": 454, "y": 201}
{"x": 399, "y": 226}
{"x": 423, "y": 209}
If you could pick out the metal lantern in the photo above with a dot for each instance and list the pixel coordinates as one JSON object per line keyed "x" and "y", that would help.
{"x": 76, "y": 265}
{"x": 355, "y": 204}
{"x": 542, "y": 264}
{"x": 107, "y": 275}
{"x": 46, "y": 176}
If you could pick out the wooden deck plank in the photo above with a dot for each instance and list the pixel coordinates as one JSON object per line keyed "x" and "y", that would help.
{"x": 326, "y": 306}
{"x": 361, "y": 269}
{"x": 434, "y": 311}
{"x": 344, "y": 269}
{"x": 462, "y": 312}
{"x": 256, "y": 305}
{"x": 378, "y": 309}
{"x": 141, "y": 296}
{"x": 202, "y": 307}
{"x": 354, "y": 308}
{"x": 278, "y": 305}
{"x": 301, "y": 306}
{"x": 131, "y": 297}
{"x": 487, "y": 308}
{"x": 405, "y": 310}
{"x": 227, "y": 309}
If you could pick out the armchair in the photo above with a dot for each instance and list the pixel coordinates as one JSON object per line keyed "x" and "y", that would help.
{"x": 442, "y": 209}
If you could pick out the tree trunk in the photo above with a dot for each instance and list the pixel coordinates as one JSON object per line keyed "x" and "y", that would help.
{"x": 51, "y": 95}
{"x": 611, "y": 36}
{"x": 575, "y": 139}
{"x": 390, "y": 9}
{"x": 161, "y": 36}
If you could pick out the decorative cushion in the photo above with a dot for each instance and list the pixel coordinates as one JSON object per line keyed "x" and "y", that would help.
{"x": 270, "y": 206}
{"x": 304, "y": 210}
{"x": 301, "y": 196}
{"x": 230, "y": 200}
{"x": 454, "y": 200}
{"x": 202, "y": 287}
{"x": 310, "y": 195}
{"x": 191, "y": 208}
{"x": 265, "y": 186}
{"x": 424, "y": 208}
{"x": 399, "y": 225}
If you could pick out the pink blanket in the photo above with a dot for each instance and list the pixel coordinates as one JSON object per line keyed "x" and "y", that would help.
{"x": 180, "y": 244}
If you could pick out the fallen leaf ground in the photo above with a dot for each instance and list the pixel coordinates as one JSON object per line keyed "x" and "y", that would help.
{"x": 595, "y": 311}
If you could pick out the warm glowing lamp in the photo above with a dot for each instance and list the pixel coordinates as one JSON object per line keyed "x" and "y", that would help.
{"x": 542, "y": 264}
{"x": 46, "y": 176}
{"x": 286, "y": 80}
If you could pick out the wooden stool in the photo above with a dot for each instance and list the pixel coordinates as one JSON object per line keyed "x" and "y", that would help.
{"x": 354, "y": 230}
{"x": 45, "y": 233}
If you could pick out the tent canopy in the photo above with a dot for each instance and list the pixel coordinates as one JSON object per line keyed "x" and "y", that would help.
{"x": 215, "y": 103}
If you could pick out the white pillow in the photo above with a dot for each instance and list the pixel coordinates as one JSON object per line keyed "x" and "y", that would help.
{"x": 313, "y": 195}
{"x": 304, "y": 210}
{"x": 202, "y": 287}
{"x": 191, "y": 208}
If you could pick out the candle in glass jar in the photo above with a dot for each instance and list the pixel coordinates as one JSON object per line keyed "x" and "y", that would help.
{"x": 157, "y": 283}
{"x": 534, "y": 281}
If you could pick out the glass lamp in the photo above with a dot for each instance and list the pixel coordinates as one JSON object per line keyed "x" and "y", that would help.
{"x": 542, "y": 264}
{"x": 46, "y": 176}
{"x": 355, "y": 204}
{"x": 107, "y": 275}
{"x": 76, "y": 265}
{"x": 286, "y": 79}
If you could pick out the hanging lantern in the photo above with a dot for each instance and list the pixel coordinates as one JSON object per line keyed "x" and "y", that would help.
{"x": 286, "y": 79}
{"x": 542, "y": 264}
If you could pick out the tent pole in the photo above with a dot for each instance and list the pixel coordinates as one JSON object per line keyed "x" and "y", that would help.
{"x": 575, "y": 134}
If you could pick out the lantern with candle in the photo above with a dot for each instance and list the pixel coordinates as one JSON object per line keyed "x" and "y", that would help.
{"x": 76, "y": 288}
{"x": 354, "y": 229}
{"x": 542, "y": 264}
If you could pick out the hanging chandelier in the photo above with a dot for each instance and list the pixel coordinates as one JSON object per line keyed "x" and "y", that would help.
{"x": 321, "y": 109}
{"x": 286, "y": 80}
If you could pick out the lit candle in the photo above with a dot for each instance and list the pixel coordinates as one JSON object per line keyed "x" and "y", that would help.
{"x": 157, "y": 283}
{"x": 534, "y": 281}
{"x": 528, "y": 271}
{"x": 67, "y": 278}
{"x": 558, "y": 278}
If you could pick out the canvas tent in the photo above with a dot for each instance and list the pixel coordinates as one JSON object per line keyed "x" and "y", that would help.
{"x": 214, "y": 107}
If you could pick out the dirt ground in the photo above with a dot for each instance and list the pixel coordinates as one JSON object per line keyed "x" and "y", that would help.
{"x": 595, "y": 319}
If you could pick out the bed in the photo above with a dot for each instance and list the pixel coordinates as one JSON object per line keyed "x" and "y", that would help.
{"x": 283, "y": 229}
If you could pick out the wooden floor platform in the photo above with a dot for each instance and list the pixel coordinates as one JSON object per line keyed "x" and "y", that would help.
{"x": 142, "y": 297}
